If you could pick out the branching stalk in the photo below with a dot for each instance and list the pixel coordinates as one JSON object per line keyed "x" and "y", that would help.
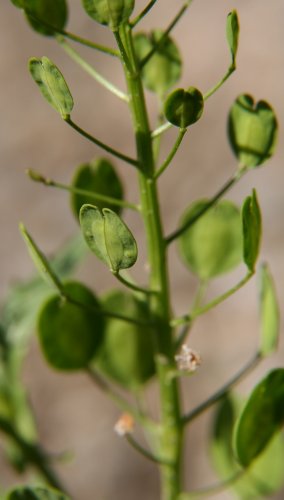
{"x": 172, "y": 153}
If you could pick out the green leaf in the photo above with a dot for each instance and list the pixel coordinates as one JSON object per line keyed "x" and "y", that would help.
{"x": 52, "y": 12}
{"x": 39, "y": 259}
{"x": 98, "y": 176}
{"x": 213, "y": 244}
{"x": 108, "y": 237}
{"x": 35, "y": 493}
{"x": 52, "y": 85}
{"x": 109, "y": 12}
{"x": 251, "y": 217}
{"x": 19, "y": 3}
{"x": 184, "y": 107}
{"x": 232, "y": 29}
{"x": 264, "y": 477}
{"x": 163, "y": 70}
{"x": 126, "y": 353}
{"x": 269, "y": 313}
{"x": 252, "y": 131}
{"x": 261, "y": 418}
{"x": 70, "y": 334}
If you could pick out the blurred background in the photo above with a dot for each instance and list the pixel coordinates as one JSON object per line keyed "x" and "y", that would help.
{"x": 71, "y": 414}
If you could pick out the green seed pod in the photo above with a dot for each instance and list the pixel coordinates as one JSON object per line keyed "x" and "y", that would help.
{"x": 252, "y": 131}
{"x": 70, "y": 334}
{"x": 35, "y": 493}
{"x": 98, "y": 176}
{"x": 50, "y": 12}
{"x": 52, "y": 85}
{"x": 184, "y": 107}
{"x": 109, "y": 12}
{"x": 126, "y": 353}
{"x": 108, "y": 237}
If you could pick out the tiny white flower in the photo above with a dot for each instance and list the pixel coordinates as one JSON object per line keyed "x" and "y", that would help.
{"x": 188, "y": 359}
{"x": 124, "y": 425}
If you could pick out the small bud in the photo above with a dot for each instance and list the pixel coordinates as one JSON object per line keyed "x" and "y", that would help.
{"x": 188, "y": 360}
{"x": 124, "y": 425}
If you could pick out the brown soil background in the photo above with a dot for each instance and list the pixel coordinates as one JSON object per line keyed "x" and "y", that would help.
{"x": 71, "y": 414}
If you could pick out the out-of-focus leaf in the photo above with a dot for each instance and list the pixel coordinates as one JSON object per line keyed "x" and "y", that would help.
{"x": 98, "y": 176}
{"x": 269, "y": 313}
{"x": 35, "y": 493}
{"x": 213, "y": 244}
{"x": 261, "y": 418}
{"x": 70, "y": 333}
{"x": 163, "y": 70}
{"x": 126, "y": 353}
{"x": 52, "y": 12}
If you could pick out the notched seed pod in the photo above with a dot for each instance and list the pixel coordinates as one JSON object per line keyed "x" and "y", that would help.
{"x": 184, "y": 107}
{"x": 112, "y": 13}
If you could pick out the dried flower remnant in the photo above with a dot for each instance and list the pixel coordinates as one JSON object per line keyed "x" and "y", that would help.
{"x": 124, "y": 425}
{"x": 188, "y": 360}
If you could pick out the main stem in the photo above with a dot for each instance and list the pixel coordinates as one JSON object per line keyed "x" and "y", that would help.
{"x": 171, "y": 441}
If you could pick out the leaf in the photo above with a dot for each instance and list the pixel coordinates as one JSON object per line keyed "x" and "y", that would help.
{"x": 184, "y": 107}
{"x": 52, "y": 85}
{"x": 39, "y": 259}
{"x": 232, "y": 31}
{"x": 251, "y": 217}
{"x": 109, "y": 12}
{"x": 98, "y": 176}
{"x": 252, "y": 131}
{"x": 126, "y": 353}
{"x": 265, "y": 476}
{"x": 213, "y": 244}
{"x": 108, "y": 237}
{"x": 163, "y": 70}
{"x": 261, "y": 418}
{"x": 52, "y": 12}
{"x": 269, "y": 313}
{"x": 70, "y": 334}
{"x": 35, "y": 493}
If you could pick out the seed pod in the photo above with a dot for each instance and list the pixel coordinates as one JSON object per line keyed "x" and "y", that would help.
{"x": 184, "y": 107}
{"x": 109, "y": 12}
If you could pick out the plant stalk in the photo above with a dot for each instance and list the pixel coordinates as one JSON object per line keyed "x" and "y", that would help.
{"x": 171, "y": 440}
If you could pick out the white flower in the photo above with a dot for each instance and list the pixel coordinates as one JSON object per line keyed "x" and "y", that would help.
{"x": 124, "y": 425}
{"x": 188, "y": 360}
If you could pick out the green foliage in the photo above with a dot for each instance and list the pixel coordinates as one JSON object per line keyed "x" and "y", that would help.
{"x": 252, "y": 131}
{"x": 126, "y": 353}
{"x": 52, "y": 85}
{"x": 108, "y": 237}
{"x": 232, "y": 29}
{"x": 44, "y": 14}
{"x": 261, "y": 418}
{"x": 70, "y": 329}
{"x": 269, "y": 313}
{"x": 163, "y": 70}
{"x": 251, "y": 217}
{"x": 184, "y": 107}
{"x": 264, "y": 477}
{"x": 213, "y": 245}
{"x": 35, "y": 493}
{"x": 98, "y": 176}
{"x": 109, "y": 12}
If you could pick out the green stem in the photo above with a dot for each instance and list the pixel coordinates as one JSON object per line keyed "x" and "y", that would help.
{"x": 35, "y": 176}
{"x": 131, "y": 285}
{"x": 33, "y": 454}
{"x": 231, "y": 69}
{"x": 221, "y": 298}
{"x": 171, "y": 438}
{"x": 90, "y": 70}
{"x": 222, "y": 391}
{"x": 102, "y": 145}
{"x": 143, "y": 13}
{"x": 228, "y": 185}
{"x": 75, "y": 38}
{"x": 161, "y": 129}
{"x": 147, "y": 454}
{"x": 166, "y": 32}
{"x": 171, "y": 154}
